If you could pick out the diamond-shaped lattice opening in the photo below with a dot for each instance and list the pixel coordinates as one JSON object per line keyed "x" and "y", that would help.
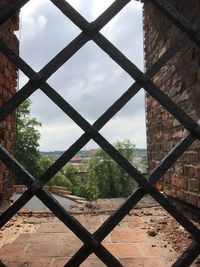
{"x": 87, "y": 78}
{"x": 128, "y": 128}
{"x": 107, "y": 179}
{"x": 22, "y": 80}
{"x": 41, "y": 33}
{"x": 128, "y": 123}
{"x": 128, "y": 39}
{"x": 57, "y": 130}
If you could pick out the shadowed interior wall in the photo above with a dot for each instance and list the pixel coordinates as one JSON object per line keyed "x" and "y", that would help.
{"x": 8, "y": 85}
{"x": 180, "y": 80}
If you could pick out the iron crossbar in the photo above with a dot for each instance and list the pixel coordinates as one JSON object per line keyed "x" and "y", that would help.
{"x": 90, "y": 31}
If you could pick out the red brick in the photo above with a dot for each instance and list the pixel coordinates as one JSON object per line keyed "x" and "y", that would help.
{"x": 48, "y": 250}
{"x": 141, "y": 262}
{"x": 60, "y": 262}
{"x": 137, "y": 221}
{"x": 130, "y": 235}
{"x": 191, "y": 171}
{"x": 107, "y": 239}
{"x": 179, "y": 79}
{"x": 91, "y": 223}
{"x": 88, "y": 219}
{"x": 53, "y": 228}
{"x": 193, "y": 185}
{"x": 124, "y": 250}
{"x": 192, "y": 157}
{"x": 6, "y": 68}
{"x": 13, "y": 251}
{"x": 38, "y": 238}
{"x": 149, "y": 251}
{"x": 2, "y": 79}
{"x": 89, "y": 262}
{"x": 177, "y": 181}
{"x": 66, "y": 238}
{"x": 192, "y": 198}
{"x": 39, "y": 262}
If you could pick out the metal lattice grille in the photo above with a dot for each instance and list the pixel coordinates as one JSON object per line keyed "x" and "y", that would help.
{"x": 90, "y": 31}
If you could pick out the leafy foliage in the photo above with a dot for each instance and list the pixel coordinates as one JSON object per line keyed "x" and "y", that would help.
{"x": 28, "y": 154}
{"x": 144, "y": 161}
{"x": 66, "y": 177}
{"x": 106, "y": 178}
{"x": 27, "y": 138}
{"x": 61, "y": 180}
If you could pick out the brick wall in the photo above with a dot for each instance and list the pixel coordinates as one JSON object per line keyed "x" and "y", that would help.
{"x": 8, "y": 84}
{"x": 179, "y": 79}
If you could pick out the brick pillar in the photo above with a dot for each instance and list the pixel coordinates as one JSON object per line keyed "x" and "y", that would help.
{"x": 180, "y": 80}
{"x": 8, "y": 85}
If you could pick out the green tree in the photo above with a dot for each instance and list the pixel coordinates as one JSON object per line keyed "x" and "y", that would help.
{"x": 106, "y": 178}
{"x": 61, "y": 180}
{"x": 28, "y": 154}
{"x": 27, "y": 140}
{"x": 67, "y": 177}
{"x": 77, "y": 186}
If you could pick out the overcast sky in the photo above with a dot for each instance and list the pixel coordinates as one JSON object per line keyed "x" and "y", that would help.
{"x": 90, "y": 81}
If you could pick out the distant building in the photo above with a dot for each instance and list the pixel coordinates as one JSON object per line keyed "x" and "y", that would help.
{"x": 75, "y": 161}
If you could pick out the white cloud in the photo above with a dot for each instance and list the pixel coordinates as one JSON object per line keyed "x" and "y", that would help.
{"x": 127, "y": 126}
{"x": 99, "y": 7}
{"x": 33, "y": 21}
{"x": 117, "y": 129}
{"x": 58, "y": 136}
{"x": 90, "y": 81}
{"x": 75, "y": 3}
{"x": 31, "y": 8}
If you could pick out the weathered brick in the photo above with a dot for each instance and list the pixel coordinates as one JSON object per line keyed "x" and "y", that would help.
{"x": 16, "y": 250}
{"x": 191, "y": 171}
{"x": 179, "y": 79}
{"x": 178, "y": 168}
{"x": 8, "y": 83}
{"x": 128, "y": 235}
{"x": 193, "y": 185}
{"x": 124, "y": 250}
{"x": 192, "y": 198}
{"x": 90, "y": 262}
{"x": 29, "y": 262}
{"x": 53, "y": 228}
{"x": 141, "y": 262}
{"x": 50, "y": 250}
{"x": 192, "y": 157}
{"x": 177, "y": 181}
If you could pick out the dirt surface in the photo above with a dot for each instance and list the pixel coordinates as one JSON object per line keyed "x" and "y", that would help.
{"x": 14, "y": 228}
{"x": 110, "y": 205}
{"x": 163, "y": 230}
{"x": 171, "y": 234}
